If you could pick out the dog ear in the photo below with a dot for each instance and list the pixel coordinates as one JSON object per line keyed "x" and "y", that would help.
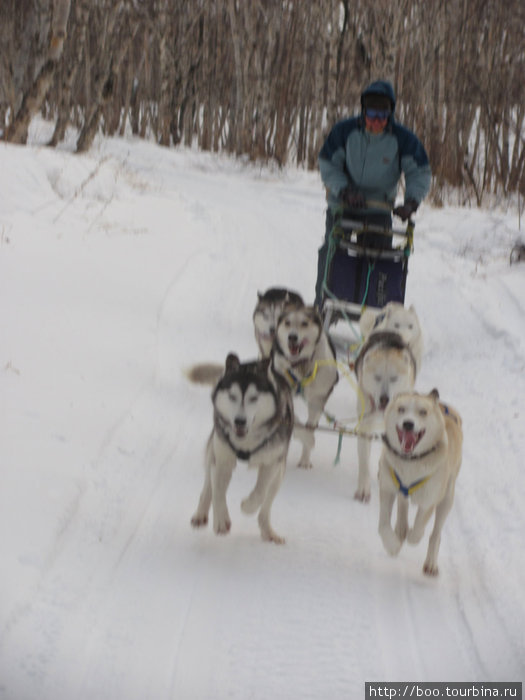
{"x": 232, "y": 362}
{"x": 298, "y": 299}
{"x": 314, "y": 314}
{"x": 294, "y": 299}
{"x": 434, "y": 394}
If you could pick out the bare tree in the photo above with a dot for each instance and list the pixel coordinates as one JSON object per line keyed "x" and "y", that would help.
{"x": 34, "y": 98}
{"x": 69, "y": 71}
{"x": 268, "y": 78}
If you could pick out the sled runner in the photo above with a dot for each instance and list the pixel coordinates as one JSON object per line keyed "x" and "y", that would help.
{"x": 367, "y": 266}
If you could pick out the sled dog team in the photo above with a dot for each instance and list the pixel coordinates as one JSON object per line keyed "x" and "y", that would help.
{"x": 253, "y": 418}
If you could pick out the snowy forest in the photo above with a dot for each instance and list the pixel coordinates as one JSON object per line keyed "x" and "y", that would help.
{"x": 265, "y": 79}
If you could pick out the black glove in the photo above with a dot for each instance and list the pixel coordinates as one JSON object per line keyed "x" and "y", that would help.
{"x": 406, "y": 210}
{"x": 352, "y": 198}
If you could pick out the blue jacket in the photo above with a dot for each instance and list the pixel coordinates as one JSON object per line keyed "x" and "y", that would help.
{"x": 373, "y": 163}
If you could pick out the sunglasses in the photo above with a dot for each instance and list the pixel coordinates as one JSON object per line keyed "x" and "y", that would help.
{"x": 380, "y": 114}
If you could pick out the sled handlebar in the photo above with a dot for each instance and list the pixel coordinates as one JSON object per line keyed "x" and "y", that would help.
{"x": 360, "y": 227}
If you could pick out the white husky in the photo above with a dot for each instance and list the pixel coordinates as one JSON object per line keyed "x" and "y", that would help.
{"x": 399, "y": 319}
{"x": 304, "y": 356}
{"x": 252, "y": 421}
{"x": 420, "y": 461}
{"x": 385, "y": 367}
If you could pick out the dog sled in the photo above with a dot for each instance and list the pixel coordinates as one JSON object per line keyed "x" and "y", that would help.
{"x": 366, "y": 266}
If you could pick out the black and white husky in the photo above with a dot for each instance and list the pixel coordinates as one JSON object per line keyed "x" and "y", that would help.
{"x": 303, "y": 355}
{"x": 268, "y": 309}
{"x": 252, "y": 421}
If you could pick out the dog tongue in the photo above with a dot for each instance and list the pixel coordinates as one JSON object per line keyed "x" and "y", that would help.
{"x": 295, "y": 348}
{"x": 408, "y": 440}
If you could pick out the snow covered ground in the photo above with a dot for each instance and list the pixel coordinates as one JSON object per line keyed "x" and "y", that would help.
{"x": 118, "y": 269}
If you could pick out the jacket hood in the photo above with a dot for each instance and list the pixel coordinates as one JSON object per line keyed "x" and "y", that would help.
{"x": 380, "y": 87}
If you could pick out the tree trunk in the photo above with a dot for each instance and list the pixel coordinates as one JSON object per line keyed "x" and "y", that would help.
{"x": 33, "y": 99}
{"x": 117, "y": 46}
{"x": 237, "y": 117}
{"x": 75, "y": 61}
{"x": 166, "y": 71}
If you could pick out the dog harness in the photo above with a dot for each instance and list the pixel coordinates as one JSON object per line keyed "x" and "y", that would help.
{"x": 447, "y": 412}
{"x": 407, "y": 490}
{"x": 244, "y": 455}
{"x": 385, "y": 339}
{"x": 296, "y": 383}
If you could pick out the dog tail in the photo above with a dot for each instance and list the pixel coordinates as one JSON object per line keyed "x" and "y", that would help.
{"x": 206, "y": 373}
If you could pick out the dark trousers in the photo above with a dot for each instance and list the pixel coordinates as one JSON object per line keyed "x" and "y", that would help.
{"x": 369, "y": 240}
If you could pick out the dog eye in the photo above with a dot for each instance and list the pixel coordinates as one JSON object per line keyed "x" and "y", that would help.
{"x": 252, "y": 399}
{"x": 423, "y": 412}
{"x": 304, "y": 324}
{"x": 401, "y": 409}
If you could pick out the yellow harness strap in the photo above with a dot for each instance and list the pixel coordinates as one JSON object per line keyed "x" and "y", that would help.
{"x": 407, "y": 490}
{"x": 299, "y": 384}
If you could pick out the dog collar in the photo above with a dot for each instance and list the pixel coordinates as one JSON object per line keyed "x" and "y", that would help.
{"x": 407, "y": 490}
{"x": 244, "y": 455}
{"x": 408, "y": 458}
{"x": 303, "y": 361}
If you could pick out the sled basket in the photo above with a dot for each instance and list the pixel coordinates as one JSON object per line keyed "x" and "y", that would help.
{"x": 368, "y": 276}
{"x": 363, "y": 273}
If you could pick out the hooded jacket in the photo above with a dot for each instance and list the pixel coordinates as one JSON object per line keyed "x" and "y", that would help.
{"x": 373, "y": 163}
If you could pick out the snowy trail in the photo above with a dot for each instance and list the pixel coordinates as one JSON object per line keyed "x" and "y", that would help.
{"x": 127, "y": 265}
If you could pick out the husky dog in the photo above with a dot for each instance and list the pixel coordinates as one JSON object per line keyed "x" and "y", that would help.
{"x": 269, "y": 307}
{"x": 252, "y": 421}
{"x": 303, "y": 355}
{"x": 384, "y": 367}
{"x": 397, "y": 318}
{"x": 420, "y": 461}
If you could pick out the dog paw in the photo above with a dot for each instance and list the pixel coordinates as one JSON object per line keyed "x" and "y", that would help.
{"x": 414, "y": 536}
{"x": 271, "y": 536}
{"x": 362, "y": 495}
{"x": 430, "y": 569}
{"x": 391, "y": 542}
{"x": 304, "y": 464}
{"x": 222, "y": 527}
{"x": 199, "y": 520}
